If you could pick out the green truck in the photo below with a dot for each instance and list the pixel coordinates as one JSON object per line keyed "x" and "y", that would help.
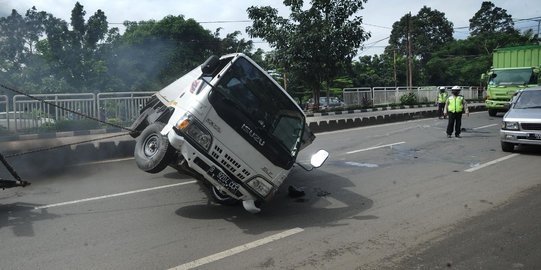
{"x": 513, "y": 68}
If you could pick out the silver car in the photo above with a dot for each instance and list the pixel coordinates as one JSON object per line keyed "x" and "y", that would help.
{"x": 522, "y": 123}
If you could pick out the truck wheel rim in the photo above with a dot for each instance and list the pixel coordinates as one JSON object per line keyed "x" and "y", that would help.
{"x": 151, "y": 145}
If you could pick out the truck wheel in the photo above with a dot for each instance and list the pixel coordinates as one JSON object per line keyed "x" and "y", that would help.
{"x": 152, "y": 150}
{"x": 508, "y": 147}
{"x": 221, "y": 197}
{"x": 492, "y": 112}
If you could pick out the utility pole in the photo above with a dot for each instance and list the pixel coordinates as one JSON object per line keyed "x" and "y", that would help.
{"x": 538, "y": 24}
{"x": 410, "y": 67}
{"x": 394, "y": 66}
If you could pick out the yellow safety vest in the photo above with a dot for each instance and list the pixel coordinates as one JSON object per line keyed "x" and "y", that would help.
{"x": 455, "y": 104}
{"x": 442, "y": 97}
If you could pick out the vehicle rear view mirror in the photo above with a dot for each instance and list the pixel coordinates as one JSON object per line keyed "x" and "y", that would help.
{"x": 319, "y": 158}
{"x": 209, "y": 66}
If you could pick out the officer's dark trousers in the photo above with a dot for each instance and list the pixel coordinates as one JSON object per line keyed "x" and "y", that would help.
{"x": 440, "y": 109}
{"x": 455, "y": 120}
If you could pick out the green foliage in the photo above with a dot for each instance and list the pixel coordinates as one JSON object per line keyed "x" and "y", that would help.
{"x": 74, "y": 125}
{"x": 408, "y": 99}
{"x": 306, "y": 43}
{"x": 428, "y": 31}
{"x": 491, "y": 19}
{"x": 40, "y": 53}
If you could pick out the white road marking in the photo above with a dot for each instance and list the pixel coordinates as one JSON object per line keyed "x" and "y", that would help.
{"x": 102, "y": 162}
{"x": 490, "y": 163}
{"x": 236, "y": 250}
{"x": 375, "y": 147}
{"x": 491, "y": 125}
{"x": 112, "y": 195}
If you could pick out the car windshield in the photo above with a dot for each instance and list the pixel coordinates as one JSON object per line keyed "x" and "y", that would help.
{"x": 264, "y": 103}
{"x": 528, "y": 100}
{"x": 513, "y": 77}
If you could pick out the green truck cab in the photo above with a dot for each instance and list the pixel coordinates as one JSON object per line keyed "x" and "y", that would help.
{"x": 513, "y": 68}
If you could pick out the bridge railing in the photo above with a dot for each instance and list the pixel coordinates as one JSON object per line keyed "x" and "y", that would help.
{"x": 362, "y": 96}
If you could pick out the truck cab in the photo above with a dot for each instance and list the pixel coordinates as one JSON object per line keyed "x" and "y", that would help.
{"x": 513, "y": 68}
{"x": 503, "y": 83}
{"x": 230, "y": 124}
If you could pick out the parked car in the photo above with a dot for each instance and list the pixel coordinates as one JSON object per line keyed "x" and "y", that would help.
{"x": 324, "y": 104}
{"x": 522, "y": 123}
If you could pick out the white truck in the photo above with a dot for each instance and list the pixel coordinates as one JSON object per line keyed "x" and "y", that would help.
{"x": 228, "y": 123}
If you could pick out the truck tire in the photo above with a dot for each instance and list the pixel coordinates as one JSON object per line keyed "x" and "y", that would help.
{"x": 492, "y": 112}
{"x": 221, "y": 197}
{"x": 152, "y": 150}
{"x": 508, "y": 147}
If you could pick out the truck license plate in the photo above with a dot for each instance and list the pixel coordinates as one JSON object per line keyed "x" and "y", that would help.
{"x": 223, "y": 179}
{"x": 535, "y": 136}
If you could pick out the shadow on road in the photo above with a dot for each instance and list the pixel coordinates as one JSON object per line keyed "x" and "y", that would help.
{"x": 327, "y": 201}
{"x": 20, "y": 217}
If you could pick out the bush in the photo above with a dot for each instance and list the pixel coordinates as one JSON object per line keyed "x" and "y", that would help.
{"x": 72, "y": 125}
{"x": 408, "y": 99}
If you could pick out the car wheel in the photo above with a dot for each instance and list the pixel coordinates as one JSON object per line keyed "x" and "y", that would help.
{"x": 222, "y": 198}
{"x": 152, "y": 150}
{"x": 508, "y": 147}
{"x": 492, "y": 112}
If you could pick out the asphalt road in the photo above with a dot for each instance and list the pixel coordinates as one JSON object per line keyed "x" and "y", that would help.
{"x": 395, "y": 196}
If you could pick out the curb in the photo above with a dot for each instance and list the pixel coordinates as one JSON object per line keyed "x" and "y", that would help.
{"x": 369, "y": 110}
{"x": 332, "y": 125}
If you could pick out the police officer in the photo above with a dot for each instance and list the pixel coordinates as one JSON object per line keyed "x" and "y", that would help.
{"x": 455, "y": 106}
{"x": 440, "y": 101}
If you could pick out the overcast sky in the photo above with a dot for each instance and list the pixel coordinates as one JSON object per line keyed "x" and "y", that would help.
{"x": 378, "y": 15}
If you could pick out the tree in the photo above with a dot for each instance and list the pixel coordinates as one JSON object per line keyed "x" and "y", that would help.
{"x": 152, "y": 54}
{"x": 429, "y": 30}
{"x": 314, "y": 43}
{"x": 19, "y": 64}
{"x": 76, "y": 55}
{"x": 490, "y": 19}
{"x": 463, "y": 61}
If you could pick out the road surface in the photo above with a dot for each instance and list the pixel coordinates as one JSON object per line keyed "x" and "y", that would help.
{"x": 391, "y": 196}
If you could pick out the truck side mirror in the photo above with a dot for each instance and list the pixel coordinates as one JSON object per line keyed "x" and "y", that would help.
{"x": 319, "y": 158}
{"x": 210, "y": 65}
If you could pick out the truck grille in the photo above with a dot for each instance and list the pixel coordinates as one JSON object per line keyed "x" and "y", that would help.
{"x": 531, "y": 126}
{"x": 229, "y": 162}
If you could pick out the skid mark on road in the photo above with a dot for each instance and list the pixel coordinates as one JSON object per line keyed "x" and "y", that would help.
{"x": 112, "y": 195}
{"x": 236, "y": 250}
{"x": 490, "y": 163}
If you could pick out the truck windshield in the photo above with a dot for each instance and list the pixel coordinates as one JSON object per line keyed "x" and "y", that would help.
{"x": 513, "y": 77}
{"x": 272, "y": 114}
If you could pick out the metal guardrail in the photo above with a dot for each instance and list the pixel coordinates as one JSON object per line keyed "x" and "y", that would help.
{"x": 121, "y": 107}
{"x": 365, "y": 96}
{"x": 4, "y": 109}
{"x": 28, "y": 114}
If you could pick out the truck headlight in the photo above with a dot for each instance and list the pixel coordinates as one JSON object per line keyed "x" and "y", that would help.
{"x": 193, "y": 129}
{"x": 510, "y": 125}
{"x": 260, "y": 186}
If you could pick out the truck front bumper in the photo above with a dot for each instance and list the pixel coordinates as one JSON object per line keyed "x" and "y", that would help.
{"x": 209, "y": 169}
{"x": 497, "y": 105}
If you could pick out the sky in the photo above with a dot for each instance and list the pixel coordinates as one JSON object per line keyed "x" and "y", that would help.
{"x": 378, "y": 15}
